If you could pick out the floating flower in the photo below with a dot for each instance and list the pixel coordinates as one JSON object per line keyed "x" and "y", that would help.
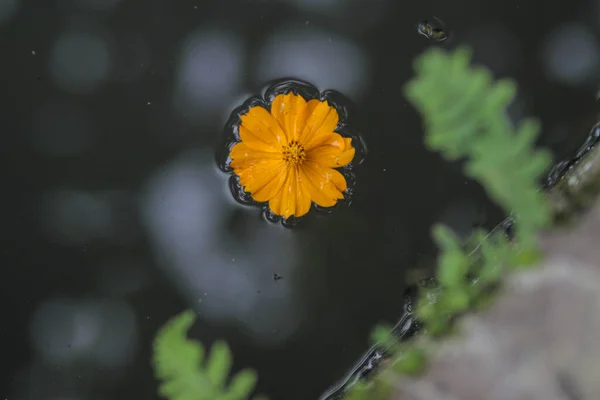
{"x": 287, "y": 155}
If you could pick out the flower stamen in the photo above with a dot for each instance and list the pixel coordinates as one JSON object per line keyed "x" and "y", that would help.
{"x": 293, "y": 153}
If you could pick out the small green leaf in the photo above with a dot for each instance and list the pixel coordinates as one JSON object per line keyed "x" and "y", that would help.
{"x": 412, "y": 362}
{"x": 219, "y": 364}
{"x": 456, "y": 300}
{"x": 453, "y": 263}
{"x": 382, "y": 334}
{"x": 178, "y": 364}
{"x": 242, "y": 383}
{"x": 527, "y": 256}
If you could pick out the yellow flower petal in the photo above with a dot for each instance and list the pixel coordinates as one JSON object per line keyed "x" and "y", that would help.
{"x": 284, "y": 203}
{"x": 263, "y": 175}
{"x": 303, "y": 200}
{"x": 321, "y": 120}
{"x": 272, "y": 188}
{"x": 336, "y": 152}
{"x": 292, "y": 198}
{"x": 290, "y": 111}
{"x": 255, "y": 143}
{"x": 243, "y": 156}
{"x": 290, "y": 176}
{"x": 330, "y": 175}
{"x": 260, "y": 130}
{"x": 324, "y": 185}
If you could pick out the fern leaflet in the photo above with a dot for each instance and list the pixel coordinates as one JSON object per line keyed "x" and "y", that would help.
{"x": 179, "y": 363}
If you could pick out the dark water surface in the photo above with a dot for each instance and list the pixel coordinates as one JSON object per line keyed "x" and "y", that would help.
{"x": 115, "y": 216}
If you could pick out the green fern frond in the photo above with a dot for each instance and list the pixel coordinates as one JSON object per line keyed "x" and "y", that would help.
{"x": 180, "y": 364}
{"x": 465, "y": 114}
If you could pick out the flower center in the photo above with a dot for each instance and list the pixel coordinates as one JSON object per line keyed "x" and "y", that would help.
{"x": 293, "y": 153}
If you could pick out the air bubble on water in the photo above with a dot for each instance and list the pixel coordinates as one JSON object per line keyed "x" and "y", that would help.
{"x": 433, "y": 29}
{"x": 268, "y": 93}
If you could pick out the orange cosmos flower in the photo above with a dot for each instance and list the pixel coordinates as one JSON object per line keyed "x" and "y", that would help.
{"x": 287, "y": 156}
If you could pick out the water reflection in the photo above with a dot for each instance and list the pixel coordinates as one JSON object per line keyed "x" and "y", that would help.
{"x": 8, "y": 9}
{"x": 117, "y": 278}
{"x": 75, "y": 217}
{"x": 225, "y": 280}
{"x": 504, "y": 57}
{"x": 99, "y": 332}
{"x": 314, "y": 55}
{"x": 97, "y": 5}
{"x": 571, "y": 55}
{"x": 80, "y": 61}
{"x": 84, "y": 140}
{"x": 209, "y": 74}
{"x": 352, "y": 16}
{"x": 131, "y": 57}
{"x": 462, "y": 215}
{"x": 62, "y": 129}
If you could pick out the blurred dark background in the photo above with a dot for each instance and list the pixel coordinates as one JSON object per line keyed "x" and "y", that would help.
{"x": 115, "y": 216}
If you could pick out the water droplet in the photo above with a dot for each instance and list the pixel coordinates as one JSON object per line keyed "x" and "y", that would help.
{"x": 433, "y": 29}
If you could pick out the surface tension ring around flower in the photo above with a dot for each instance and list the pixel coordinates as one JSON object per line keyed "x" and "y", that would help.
{"x": 287, "y": 155}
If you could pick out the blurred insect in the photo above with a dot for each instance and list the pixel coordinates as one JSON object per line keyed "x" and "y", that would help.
{"x": 277, "y": 277}
{"x": 433, "y": 30}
